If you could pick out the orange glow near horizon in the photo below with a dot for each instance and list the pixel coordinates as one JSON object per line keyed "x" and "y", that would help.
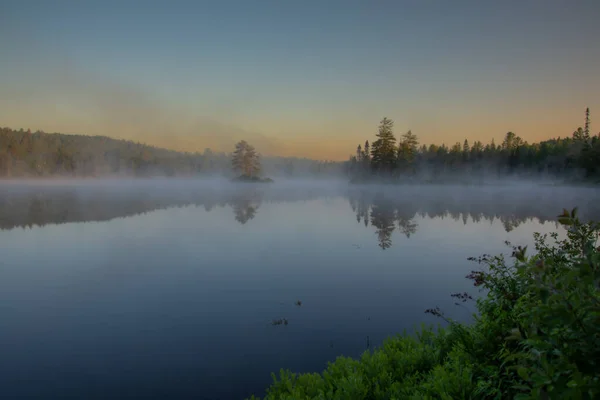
{"x": 320, "y": 144}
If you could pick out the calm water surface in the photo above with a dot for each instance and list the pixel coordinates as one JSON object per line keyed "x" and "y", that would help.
{"x": 157, "y": 289}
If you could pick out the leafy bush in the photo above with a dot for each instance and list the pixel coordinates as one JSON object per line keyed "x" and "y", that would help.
{"x": 536, "y": 336}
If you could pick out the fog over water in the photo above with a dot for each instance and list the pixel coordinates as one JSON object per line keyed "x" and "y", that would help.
{"x": 168, "y": 288}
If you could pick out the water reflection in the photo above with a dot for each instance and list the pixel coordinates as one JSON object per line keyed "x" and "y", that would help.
{"x": 245, "y": 205}
{"x": 128, "y": 303}
{"x": 386, "y": 210}
{"x": 392, "y": 211}
{"x": 383, "y": 218}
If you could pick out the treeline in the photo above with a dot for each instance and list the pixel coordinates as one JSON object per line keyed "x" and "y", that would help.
{"x": 38, "y": 154}
{"x": 577, "y": 156}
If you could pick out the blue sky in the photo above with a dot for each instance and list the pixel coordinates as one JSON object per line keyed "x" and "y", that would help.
{"x": 309, "y": 78}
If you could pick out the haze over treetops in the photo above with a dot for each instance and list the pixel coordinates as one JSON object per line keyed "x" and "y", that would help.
{"x": 309, "y": 78}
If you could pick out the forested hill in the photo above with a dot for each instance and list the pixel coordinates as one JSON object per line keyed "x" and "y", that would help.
{"x": 38, "y": 154}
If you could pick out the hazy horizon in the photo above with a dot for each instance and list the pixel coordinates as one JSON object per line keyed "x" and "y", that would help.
{"x": 298, "y": 79}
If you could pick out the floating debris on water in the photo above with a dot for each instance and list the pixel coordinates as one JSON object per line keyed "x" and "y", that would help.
{"x": 279, "y": 321}
{"x": 298, "y": 303}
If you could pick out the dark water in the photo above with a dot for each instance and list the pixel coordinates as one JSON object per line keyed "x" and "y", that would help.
{"x": 158, "y": 289}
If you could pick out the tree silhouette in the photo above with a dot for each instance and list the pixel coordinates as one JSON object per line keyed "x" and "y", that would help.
{"x": 383, "y": 151}
{"x": 245, "y": 160}
{"x": 575, "y": 156}
{"x": 586, "y": 129}
{"x": 407, "y": 151}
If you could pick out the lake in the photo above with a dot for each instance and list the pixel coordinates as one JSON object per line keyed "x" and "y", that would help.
{"x": 168, "y": 289}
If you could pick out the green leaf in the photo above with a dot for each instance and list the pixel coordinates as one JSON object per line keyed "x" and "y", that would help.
{"x": 522, "y": 371}
{"x": 565, "y": 221}
{"x": 544, "y": 293}
{"x": 574, "y": 212}
{"x": 522, "y": 396}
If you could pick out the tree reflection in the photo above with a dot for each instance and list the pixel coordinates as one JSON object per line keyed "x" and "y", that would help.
{"x": 361, "y": 206}
{"x": 407, "y": 226}
{"x": 386, "y": 210}
{"x": 245, "y": 206}
{"x": 383, "y": 218}
{"x": 406, "y": 211}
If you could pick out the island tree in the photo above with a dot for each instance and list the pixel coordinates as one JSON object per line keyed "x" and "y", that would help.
{"x": 245, "y": 160}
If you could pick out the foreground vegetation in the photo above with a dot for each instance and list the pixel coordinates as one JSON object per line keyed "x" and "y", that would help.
{"x": 536, "y": 336}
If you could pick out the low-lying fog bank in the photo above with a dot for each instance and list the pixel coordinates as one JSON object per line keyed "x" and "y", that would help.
{"x": 27, "y": 203}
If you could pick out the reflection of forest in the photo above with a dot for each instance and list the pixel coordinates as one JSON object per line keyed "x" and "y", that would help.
{"x": 29, "y": 205}
{"x": 391, "y": 210}
{"x": 382, "y": 213}
{"x": 387, "y": 210}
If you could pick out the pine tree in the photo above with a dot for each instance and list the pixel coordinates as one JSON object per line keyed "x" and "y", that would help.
{"x": 245, "y": 160}
{"x": 407, "y": 150}
{"x": 367, "y": 152}
{"x": 366, "y": 157}
{"x": 586, "y": 129}
{"x": 465, "y": 150}
{"x": 456, "y": 148}
{"x": 509, "y": 141}
{"x": 383, "y": 153}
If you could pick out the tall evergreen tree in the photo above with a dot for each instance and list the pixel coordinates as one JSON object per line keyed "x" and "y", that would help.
{"x": 383, "y": 153}
{"x": 586, "y": 129}
{"x": 466, "y": 150}
{"x": 366, "y": 158}
{"x": 509, "y": 141}
{"x": 367, "y": 152}
{"x": 407, "y": 150}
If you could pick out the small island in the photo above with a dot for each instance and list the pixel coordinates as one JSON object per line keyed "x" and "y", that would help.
{"x": 246, "y": 162}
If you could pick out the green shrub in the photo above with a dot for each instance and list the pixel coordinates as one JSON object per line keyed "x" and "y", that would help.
{"x": 536, "y": 336}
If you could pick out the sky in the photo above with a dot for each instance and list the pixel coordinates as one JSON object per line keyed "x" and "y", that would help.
{"x": 299, "y": 78}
